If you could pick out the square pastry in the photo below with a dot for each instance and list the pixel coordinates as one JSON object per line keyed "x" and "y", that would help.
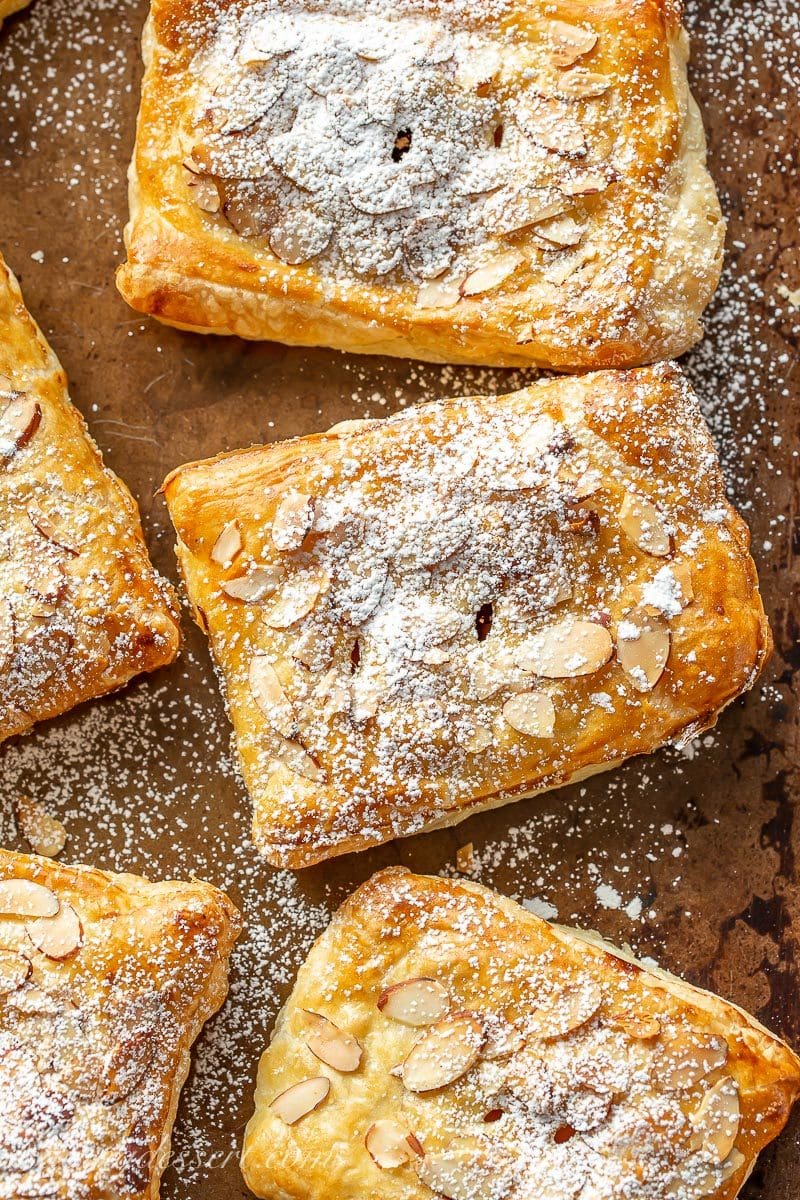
{"x": 442, "y": 1041}
{"x": 506, "y": 182}
{"x": 105, "y": 982}
{"x": 472, "y": 601}
{"x": 81, "y": 609}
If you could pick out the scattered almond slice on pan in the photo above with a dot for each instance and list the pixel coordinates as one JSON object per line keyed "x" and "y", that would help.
{"x": 445, "y": 1052}
{"x": 332, "y": 1045}
{"x": 44, "y": 833}
{"x": 389, "y": 1145}
{"x": 301, "y": 1098}
{"x": 415, "y": 1002}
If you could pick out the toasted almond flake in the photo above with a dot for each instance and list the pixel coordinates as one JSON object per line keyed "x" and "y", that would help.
{"x": 588, "y": 184}
{"x": 462, "y": 1174}
{"x": 502, "y": 1039}
{"x": 716, "y": 1120}
{"x": 531, "y": 713}
{"x": 478, "y": 69}
{"x": 566, "y": 650}
{"x": 228, "y": 544}
{"x": 296, "y": 759}
{"x": 297, "y": 599}
{"x": 204, "y": 192}
{"x": 6, "y": 633}
{"x": 643, "y": 645}
{"x": 293, "y": 519}
{"x": 682, "y": 573}
{"x": 26, "y": 898}
{"x": 640, "y": 1028}
{"x": 561, "y": 231}
{"x": 439, "y": 294}
{"x": 491, "y": 670}
{"x": 480, "y": 739}
{"x": 15, "y": 969}
{"x": 445, "y": 1052}
{"x": 301, "y": 1098}
{"x": 270, "y": 697}
{"x": 253, "y": 587}
{"x": 580, "y": 84}
{"x": 569, "y": 42}
{"x": 416, "y": 1002}
{"x": 492, "y": 274}
{"x": 436, "y": 657}
{"x": 508, "y": 210}
{"x": 548, "y": 122}
{"x": 50, "y": 582}
{"x": 49, "y": 528}
{"x": 57, "y": 937}
{"x": 19, "y": 420}
{"x": 300, "y": 236}
{"x": 684, "y": 1058}
{"x": 588, "y": 484}
{"x": 390, "y": 1145}
{"x": 332, "y": 1045}
{"x": 465, "y": 858}
{"x": 643, "y": 524}
{"x": 44, "y": 833}
{"x": 566, "y": 1010}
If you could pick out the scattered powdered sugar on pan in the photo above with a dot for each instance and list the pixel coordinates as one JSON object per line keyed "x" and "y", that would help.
{"x": 145, "y": 781}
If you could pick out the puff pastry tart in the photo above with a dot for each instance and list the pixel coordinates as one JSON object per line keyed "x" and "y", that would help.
{"x": 105, "y": 982}
{"x": 442, "y": 1041}
{"x": 472, "y": 601}
{"x": 81, "y": 609}
{"x": 7, "y": 7}
{"x": 486, "y": 181}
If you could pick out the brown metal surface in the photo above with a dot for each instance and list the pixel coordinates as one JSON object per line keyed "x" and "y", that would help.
{"x": 703, "y": 844}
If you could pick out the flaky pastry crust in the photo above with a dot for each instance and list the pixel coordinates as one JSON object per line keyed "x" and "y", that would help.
{"x": 99, "y": 1006}
{"x": 473, "y": 601}
{"x": 7, "y": 7}
{"x": 82, "y": 610}
{"x": 471, "y": 1049}
{"x": 497, "y": 182}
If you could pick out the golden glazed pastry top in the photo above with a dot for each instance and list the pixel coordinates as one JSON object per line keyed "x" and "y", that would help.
{"x": 81, "y": 609}
{"x": 105, "y": 982}
{"x": 482, "y": 181}
{"x": 440, "y": 1040}
{"x": 469, "y": 602}
{"x": 7, "y": 7}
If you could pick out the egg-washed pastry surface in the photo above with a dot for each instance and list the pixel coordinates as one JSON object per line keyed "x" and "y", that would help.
{"x": 7, "y": 7}
{"x": 485, "y": 181}
{"x": 81, "y": 608}
{"x": 469, "y": 602}
{"x": 440, "y": 1040}
{"x": 105, "y": 982}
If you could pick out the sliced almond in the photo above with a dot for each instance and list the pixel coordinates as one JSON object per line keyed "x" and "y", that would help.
{"x": 204, "y": 192}
{"x": 270, "y": 697}
{"x": 462, "y": 1174}
{"x": 492, "y": 274}
{"x": 50, "y": 529}
{"x": 332, "y": 1045}
{"x": 566, "y": 650}
{"x": 586, "y": 485}
{"x": 465, "y": 858}
{"x": 296, "y": 759}
{"x": 58, "y": 937}
{"x": 301, "y": 1098}
{"x": 26, "y": 898}
{"x": 716, "y": 1120}
{"x": 561, "y": 231}
{"x": 293, "y": 519}
{"x": 43, "y": 832}
{"x": 569, "y": 42}
{"x": 6, "y": 633}
{"x": 581, "y": 84}
{"x": 684, "y": 1058}
{"x": 300, "y": 235}
{"x": 480, "y": 739}
{"x": 565, "y": 1011}
{"x": 228, "y": 544}
{"x": 445, "y": 1052}
{"x": 641, "y": 1028}
{"x": 682, "y": 573}
{"x": 19, "y": 420}
{"x": 390, "y": 1145}
{"x": 253, "y": 587}
{"x": 15, "y": 970}
{"x": 588, "y": 184}
{"x": 508, "y": 211}
{"x": 643, "y": 524}
{"x": 438, "y": 294}
{"x": 549, "y": 123}
{"x": 415, "y": 1002}
{"x": 643, "y": 645}
{"x": 297, "y": 599}
{"x": 502, "y": 1039}
{"x": 531, "y": 713}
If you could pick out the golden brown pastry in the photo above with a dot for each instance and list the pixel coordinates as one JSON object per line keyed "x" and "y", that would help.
{"x": 7, "y": 7}
{"x": 105, "y": 982}
{"x": 81, "y": 609}
{"x": 475, "y": 600}
{"x": 440, "y": 1040}
{"x": 488, "y": 181}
